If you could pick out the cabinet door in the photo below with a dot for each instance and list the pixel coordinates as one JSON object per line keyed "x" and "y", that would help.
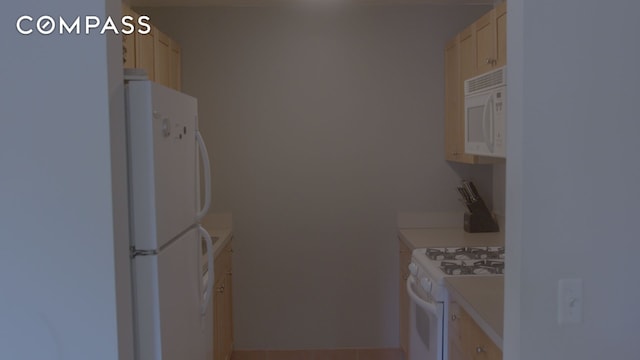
{"x": 479, "y": 346}
{"x": 501, "y": 34}
{"x": 467, "y": 341}
{"x": 218, "y": 319}
{"x": 129, "y": 42}
{"x": 466, "y": 70}
{"x": 451, "y": 109}
{"x": 455, "y": 317}
{"x": 405, "y": 259}
{"x": 223, "y": 305}
{"x": 228, "y": 304}
{"x": 145, "y": 45}
{"x": 175, "y": 80}
{"x": 485, "y": 43}
{"x": 467, "y": 53}
{"x": 162, "y": 58}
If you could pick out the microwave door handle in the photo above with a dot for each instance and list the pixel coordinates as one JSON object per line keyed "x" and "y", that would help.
{"x": 487, "y": 123}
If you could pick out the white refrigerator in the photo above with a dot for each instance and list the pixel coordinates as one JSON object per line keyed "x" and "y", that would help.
{"x": 172, "y": 284}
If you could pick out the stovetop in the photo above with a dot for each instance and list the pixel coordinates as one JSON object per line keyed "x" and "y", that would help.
{"x": 475, "y": 267}
{"x": 460, "y": 261}
{"x": 465, "y": 253}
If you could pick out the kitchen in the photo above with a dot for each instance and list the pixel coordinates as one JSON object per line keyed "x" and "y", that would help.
{"x": 537, "y": 189}
{"x": 325, "y": 165}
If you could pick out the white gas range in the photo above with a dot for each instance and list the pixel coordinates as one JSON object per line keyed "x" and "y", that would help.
{"x": 429, "y": 298}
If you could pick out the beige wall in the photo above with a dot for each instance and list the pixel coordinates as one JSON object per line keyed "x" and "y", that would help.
{"x": 322, "y": 125}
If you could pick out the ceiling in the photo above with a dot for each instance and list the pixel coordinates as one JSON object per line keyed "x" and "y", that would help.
{"x": 191, "y": 3}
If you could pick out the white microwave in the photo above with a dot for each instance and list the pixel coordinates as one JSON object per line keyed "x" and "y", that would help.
{"x": 485, "y": 114}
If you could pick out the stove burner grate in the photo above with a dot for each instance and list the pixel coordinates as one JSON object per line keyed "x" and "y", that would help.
{"x": 480, "y": 267}
{"x": 465, "y": 253}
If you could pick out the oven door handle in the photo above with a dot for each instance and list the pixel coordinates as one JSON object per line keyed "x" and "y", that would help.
{"x": 428, "y": 306}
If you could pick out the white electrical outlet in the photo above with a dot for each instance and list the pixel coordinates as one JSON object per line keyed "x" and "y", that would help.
{"x": 569, "y": 301}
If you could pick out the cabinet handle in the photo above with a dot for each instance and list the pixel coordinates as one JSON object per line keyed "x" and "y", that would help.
{"x": 490, "y": 61}
{"x": 454, "y": 317}
{"x": 480, "y": 349}
{"x": 455, "y": 153}
{"x": 220, "y": 289}
{"x": 229, "y": 273}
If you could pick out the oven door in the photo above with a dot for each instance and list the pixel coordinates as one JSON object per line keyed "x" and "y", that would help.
{"x": 426, "y": 321}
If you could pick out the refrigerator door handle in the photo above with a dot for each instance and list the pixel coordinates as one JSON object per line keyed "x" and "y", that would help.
{"x": 207, "y": 176}
{"x": 209, "y": 289}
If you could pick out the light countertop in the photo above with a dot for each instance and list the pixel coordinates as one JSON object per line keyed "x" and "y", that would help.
{"x": 218, "y": 226}
{"x": 482, "y": 297}
{"x": 223, "y": 235}
{"x": 449, "y": 236}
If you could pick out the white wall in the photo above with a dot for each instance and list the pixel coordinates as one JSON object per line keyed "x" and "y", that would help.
{"x": 572, "y": 177}
{"x": 60, "y": 211}
{"x": 322, "y": 125}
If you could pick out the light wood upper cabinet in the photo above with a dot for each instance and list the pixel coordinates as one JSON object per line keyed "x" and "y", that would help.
{"x": 145, "y": 49}
{"x": 484, "y": 29}
{"x": 467, "y": 44}
{"x": 460, "y": 64}
{"x": 491, "y": 39}
{"x": 501, "y": 34}
{"x": 162, "y": 58}
{"x": 128, "y": 42}
{"x": 478, "y": 48}
{"x": 175, "y": 80}
{"x": 155, "y": 52}
{"x": 451, "y": 106}
{"x": 457, "y": 54}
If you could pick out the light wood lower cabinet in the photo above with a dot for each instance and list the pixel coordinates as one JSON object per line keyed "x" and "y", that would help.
{"x": 405, "y": 259}
{"x": 467, "y": 341}
{"x": 222, "y": 305}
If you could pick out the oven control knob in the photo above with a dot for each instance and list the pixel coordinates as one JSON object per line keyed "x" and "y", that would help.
{"x": 426, "y": 284}
{"x": 413, "y": 269}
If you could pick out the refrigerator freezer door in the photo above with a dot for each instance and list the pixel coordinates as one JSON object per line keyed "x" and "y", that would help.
{"x": 168, "y": 297}
{"x": 161, "y": 125}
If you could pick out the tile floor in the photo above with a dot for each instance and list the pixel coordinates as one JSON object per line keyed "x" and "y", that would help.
{"x": 338, "y": 354}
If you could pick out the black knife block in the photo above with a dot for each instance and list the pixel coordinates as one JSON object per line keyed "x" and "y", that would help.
{"x": 479, "y": 218}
